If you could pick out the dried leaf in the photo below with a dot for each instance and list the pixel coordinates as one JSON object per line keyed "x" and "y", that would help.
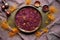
{"x": 38, "y": 34}
{"x": 51, "y": 17}
{"x": 52, "y": 9}
{"x": 28, "y": 2}
{"x": 15, "y": 30}
{"x": 11, "y": 34}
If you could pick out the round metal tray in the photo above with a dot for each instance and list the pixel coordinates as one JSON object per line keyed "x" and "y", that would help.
{"x": 26, "y": 31}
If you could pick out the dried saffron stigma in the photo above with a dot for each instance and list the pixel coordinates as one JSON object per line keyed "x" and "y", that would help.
{"x": 28, "y": 18}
